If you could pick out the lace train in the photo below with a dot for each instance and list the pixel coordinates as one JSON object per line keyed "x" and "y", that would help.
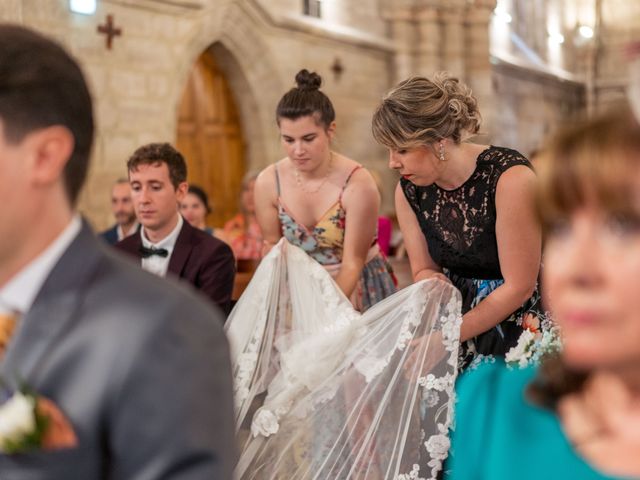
{"x": 324, "y": 392}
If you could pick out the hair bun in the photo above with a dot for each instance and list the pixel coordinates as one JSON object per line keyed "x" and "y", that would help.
{"x": 307, "y": 80}
{"x": 462, "y": 106}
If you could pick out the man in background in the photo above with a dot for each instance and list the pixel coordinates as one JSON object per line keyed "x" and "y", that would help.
{"x": 167, "y": 244}
{"x": 122, "y": 208}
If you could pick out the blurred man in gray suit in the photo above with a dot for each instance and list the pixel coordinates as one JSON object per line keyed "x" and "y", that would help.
{"x": 131, "y": 371}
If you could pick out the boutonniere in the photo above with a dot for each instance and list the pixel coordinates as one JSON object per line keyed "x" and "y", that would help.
{"x": 32, "y": 422}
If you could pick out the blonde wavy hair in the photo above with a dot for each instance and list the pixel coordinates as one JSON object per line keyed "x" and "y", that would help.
{"x": 420, "y": 111}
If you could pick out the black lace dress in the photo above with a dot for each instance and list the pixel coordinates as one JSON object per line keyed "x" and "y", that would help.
{"x": 459, "y": 227}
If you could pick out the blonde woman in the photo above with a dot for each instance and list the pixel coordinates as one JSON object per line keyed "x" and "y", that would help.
{"x": 465, "y": 210}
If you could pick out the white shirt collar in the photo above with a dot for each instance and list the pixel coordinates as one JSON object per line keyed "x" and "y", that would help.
{"x": 20, "y": 292}
{"x": 167, "y": 242}
{"x": 156, "y": 264}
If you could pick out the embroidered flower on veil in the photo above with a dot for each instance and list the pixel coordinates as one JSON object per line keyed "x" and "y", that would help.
{"x": 321, "y": 362}
{"x": 414, "y": 474}
{"x": 438, "y": 446}
{"x": 265, "y": 423}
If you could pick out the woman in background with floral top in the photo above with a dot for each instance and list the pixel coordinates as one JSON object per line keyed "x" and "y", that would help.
{"x": 242, "y": 232}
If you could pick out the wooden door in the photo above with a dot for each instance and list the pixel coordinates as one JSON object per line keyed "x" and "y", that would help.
{"x": 210, "y": 138}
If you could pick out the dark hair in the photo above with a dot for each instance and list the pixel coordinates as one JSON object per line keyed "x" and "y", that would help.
{"x": 306, "y": 99}
{"x": 593, "y": 162}
{"x": 202, "y": 195}
{"x": 41, "y": 86}
{"x": 154, "y": 153}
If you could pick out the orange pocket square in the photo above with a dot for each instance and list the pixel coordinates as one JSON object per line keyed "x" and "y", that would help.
{"x": 59, "y": 432}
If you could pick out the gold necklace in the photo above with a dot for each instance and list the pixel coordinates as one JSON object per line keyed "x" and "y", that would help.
{"x": 301, "y": 184}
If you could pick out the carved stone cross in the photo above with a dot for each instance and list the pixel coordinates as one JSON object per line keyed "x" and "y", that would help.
{"x": 337, "y": 68}
{"x": 109, "y": 30}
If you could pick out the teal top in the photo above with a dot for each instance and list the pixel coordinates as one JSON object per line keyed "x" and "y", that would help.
{"x": 501, "y": 435}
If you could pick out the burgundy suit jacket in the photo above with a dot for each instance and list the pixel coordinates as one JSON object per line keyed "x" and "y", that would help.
{"x": 199, "y": 258}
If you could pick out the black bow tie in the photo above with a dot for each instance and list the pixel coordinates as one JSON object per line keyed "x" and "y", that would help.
{"x": 147, "y": 252}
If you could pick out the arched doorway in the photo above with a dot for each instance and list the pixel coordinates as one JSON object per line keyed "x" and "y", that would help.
{"x": 210, "y": 137}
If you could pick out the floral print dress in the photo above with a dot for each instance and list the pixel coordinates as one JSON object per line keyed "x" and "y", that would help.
{"x": 325, "y": 243}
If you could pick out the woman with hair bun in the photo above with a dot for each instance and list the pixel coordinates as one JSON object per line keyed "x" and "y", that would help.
{"x": 320, "y": 200}
{"x": 465, "y": 210}
{"x": 322, "y": 383}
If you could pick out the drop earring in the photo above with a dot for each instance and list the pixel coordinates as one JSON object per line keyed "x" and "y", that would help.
{"x": 442, "y": 159}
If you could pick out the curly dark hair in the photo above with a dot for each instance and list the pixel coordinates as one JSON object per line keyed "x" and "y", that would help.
{"x": 155, "y": 153}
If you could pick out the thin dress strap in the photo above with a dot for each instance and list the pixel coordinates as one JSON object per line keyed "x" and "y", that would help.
{"x": 277, "y": 181}
{"x": 347, "y": 181}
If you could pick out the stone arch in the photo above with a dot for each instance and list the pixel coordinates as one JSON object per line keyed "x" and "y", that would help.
{"x": 232, "y": 35}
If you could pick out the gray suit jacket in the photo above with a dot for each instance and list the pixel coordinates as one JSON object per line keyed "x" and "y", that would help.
{"x": 138, "y": 364}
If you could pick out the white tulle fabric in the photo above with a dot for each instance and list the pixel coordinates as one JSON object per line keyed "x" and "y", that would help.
{"x": 324, "y": 392}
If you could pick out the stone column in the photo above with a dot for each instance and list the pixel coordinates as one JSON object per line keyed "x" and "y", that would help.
{"x": 403, "y": 33}
{"x": 11, "y": 11}
{"x": 453, "y": 43}
{"x": 477, "y": 60}
{"x": 429, "y": 43}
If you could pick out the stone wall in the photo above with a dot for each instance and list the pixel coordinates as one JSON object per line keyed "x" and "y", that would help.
{"x": 138, "y": 83}
{"x": 620, "y": 25}
{"x": 529, "y": 107}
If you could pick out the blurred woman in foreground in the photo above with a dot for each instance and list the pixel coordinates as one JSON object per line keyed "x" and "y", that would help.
{"x": 578, "y": 414}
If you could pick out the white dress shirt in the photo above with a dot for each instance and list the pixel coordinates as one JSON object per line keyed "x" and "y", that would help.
{"x": 18, "y": 295}
{"x": 155, "y": 263}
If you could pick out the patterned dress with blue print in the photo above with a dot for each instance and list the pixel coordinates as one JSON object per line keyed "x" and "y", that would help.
{"x": 460, "y": 229}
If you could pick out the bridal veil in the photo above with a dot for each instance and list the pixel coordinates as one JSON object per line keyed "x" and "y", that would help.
{"x": 325, "y": 392}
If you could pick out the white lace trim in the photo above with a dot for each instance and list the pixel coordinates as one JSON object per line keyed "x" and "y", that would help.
{"x": 414, "y": 474}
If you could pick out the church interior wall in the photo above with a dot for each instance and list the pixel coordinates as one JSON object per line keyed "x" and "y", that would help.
{"x": 530, "y": 107}
{"x": 620, "y": 24}
{"x": 261, "y": 44}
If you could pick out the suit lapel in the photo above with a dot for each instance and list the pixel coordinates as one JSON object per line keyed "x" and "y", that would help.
{"x": 132, "y": 244}
{"x": 181, "y": 250}
{"x": 53, "y": 310}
